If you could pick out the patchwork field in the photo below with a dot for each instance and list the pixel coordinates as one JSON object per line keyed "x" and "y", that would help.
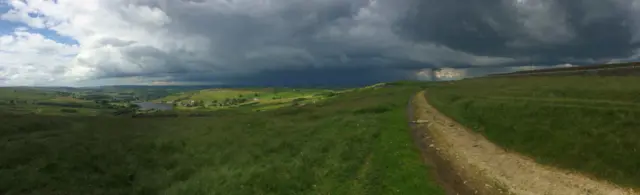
{"x": 42, "y": 102}
{"x": 258, "y": 99}
{"x": 588, "y": 124}
{"x": 69, "y": 101}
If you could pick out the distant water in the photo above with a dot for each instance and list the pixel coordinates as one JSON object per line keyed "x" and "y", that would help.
{"x": 151, "y": 105}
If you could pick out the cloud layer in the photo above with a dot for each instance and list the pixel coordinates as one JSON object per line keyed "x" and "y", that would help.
{"x": 307, "y": 41}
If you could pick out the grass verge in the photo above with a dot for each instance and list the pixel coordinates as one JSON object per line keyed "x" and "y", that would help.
{"x": 588, "y": 124}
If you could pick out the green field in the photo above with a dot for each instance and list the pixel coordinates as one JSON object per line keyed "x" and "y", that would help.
{"x": 258, "y": 99}
{"x": 221, "y": 94}
{"x": 355, "y": 143}
{"x": 42, "y": 102}
{"x": 209, "y": 94}
{"x": 7, "y": 93}
{"x": 589, "y": 124}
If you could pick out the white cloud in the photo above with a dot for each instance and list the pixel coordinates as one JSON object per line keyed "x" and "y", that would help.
{"x": 31, "y": 59}
{"x": 564, "y": 65}
{"x": 450, "y": 74}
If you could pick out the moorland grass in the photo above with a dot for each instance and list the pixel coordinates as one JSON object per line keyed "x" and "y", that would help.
{"x": 356, "y": 143}
{"x": 589, "y": 124}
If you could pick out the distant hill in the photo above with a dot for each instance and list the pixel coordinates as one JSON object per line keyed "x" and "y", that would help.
{"x": 619, "y": 69}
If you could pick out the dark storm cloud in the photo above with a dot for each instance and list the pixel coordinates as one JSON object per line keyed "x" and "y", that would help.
{"x": 332, "y": 41}
{"x": 350, "y": 41}
{"x": 460, "y": 24}
{"x": 549, "y": 31}
{"x": 302, "y": 77}
{"x": 279, "y": 41}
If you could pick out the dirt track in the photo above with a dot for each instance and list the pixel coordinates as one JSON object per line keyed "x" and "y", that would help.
{"x": 467, "y": 163}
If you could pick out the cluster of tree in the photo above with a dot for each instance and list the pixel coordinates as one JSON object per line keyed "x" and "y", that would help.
{"x": 62, "y": 104}
{"x": 68, "y": 110}
{"x": 199, "y": 103}
{"x": 101, "y": 102}
{"x": 250, "y": 104}
{"x": 297, "y": 101}
{"x": 92, "y": 97}
{"x": 120, "y": 97}
{"x": 129, "y": 110}
{"x": 18, "y": 101}
{"x": 240, "y": 99}
{"x": 65, "y": 94}
{"x": 235, "y": 101}
{"x": 232, "y": 101}
{"x": 326, "y": 94}
{"x": 218, "y": 103}
{"x": 155, "y": 114}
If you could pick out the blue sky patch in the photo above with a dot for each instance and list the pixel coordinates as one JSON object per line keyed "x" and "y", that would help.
{"x": 8, "y": 27}
{"x": 54, "y": 36}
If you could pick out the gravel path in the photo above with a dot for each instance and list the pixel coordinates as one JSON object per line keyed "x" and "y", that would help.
{"x": 490, "y": 170}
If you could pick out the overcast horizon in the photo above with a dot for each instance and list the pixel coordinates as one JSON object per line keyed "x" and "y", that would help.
{"x": 315, "y": 42}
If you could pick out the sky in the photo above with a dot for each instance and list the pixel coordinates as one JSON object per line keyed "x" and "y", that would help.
{"x": 315, "y": 42}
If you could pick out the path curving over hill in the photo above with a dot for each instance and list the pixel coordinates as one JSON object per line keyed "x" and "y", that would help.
{"x": 468, "y": 163}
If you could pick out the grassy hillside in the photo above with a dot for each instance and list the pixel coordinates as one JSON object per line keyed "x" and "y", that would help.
{"x": 12, "y": 93}
{"x": 23, "y": 100}
{"x": 589, "y": 124}
{"x": 356, "y": 143}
